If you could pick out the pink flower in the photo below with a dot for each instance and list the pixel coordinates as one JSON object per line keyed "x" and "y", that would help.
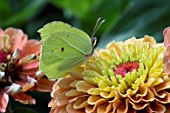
{"x": 19, "y": 62}
{"x": 166, "y": 59}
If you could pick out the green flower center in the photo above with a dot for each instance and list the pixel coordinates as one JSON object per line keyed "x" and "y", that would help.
{"x": 124, "y": 68}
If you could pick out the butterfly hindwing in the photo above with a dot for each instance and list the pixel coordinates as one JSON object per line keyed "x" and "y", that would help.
{"x": 63, "y": 51}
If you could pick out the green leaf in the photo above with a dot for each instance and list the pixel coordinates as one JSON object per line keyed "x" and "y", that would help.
{"x": 5, "y": 6}
{"x": 22, "y": 12}
{"x": 41, "y": 106}
{"x": 24, "y": 110}
{"x": 139, "y": 18}
{"x": 79, "y": 8}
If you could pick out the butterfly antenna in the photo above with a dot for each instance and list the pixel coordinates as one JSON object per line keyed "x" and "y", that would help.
{"x": 97, "y": 26}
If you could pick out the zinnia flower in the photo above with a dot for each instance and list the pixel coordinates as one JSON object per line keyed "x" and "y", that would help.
{"x": 166, "y": 59}
{"x": 19, "y": 62}
{"x": 126, "y": 77}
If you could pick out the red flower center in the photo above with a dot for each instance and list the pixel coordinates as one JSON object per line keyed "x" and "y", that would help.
{"x": 10, "y": 70}
{"x": 3, "y": 56}
{"x": 122, "y": 69}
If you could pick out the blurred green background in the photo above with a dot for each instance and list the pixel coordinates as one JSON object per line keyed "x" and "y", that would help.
{"x": 124, "y": 19}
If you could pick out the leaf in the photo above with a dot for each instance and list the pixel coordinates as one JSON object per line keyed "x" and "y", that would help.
{"x": 24, "y": 110}
{"x": 41, "y": 106}
{"x": 5, "y": 7}
{"x": 79, "y": 8}
{"x": 22, "y": 13}
{"x": 139, "y": 18}
{"x": 108, "y": 9}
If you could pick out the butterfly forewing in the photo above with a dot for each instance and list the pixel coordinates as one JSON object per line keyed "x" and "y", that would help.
{"x": 58, "y": 26}
{"x": 63, "y": 51}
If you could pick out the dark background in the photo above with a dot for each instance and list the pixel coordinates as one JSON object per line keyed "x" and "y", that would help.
{"x": 124, "y": 19}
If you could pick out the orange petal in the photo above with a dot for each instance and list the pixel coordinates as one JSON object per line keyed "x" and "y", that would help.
{"x": 62, "y": 99}
{"x": 104, "y": 108}
{"x": 116, "y": 104}
{"x": 155, "y": 107}
{"x": 149, "y": 97}
{"x": 123, "y": 107}
{"x": 58, "y": 92}
{"x": 162, "y": 86}
{"x": 59, "y": 110}
{"x": 95, "y": 101}
{"x": 149, "y": 39}
{"x": 167, "y": 108}
{"x": 160, "y": 94}
{"x": 24, "y": 98}
{"x": 80, "y": 103}
{"x": 70, "y": 109}
{"x": 139, "y": 106}
{"x": 164, "y": 100}
{"x": 77, "y": 73}
{"x": 3, "y": 101}
{"x": 52, "y": 103}
{"x": 45, "y": 85}
{"x": 83, "y": 86}
{"x": 135, "y": 99}
{"x": 73, "y": 93}
{"x": 64, "y": 83}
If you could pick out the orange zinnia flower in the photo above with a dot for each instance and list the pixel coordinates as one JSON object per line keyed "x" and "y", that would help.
{"x": 126, "y": 77}
{"x": 19, "y": 62}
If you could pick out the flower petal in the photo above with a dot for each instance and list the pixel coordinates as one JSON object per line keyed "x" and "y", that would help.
{"x": 1, "y": 34}
{"x": 45, "y": 85}
{"x": 3, "y": 101}
{"x": 24, "y": 98}
{"x": 156, "y": 107}
{"x": 166, "y": 34}
{"x": 18, "y": 38}
{"x": 32, "y": 47}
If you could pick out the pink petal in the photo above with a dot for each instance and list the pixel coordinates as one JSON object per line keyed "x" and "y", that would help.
{"x": 17, "y": 37}
{"x": 1, "y": 34}
{"x": 30, "y": 65}
{"x": 32, "y": 47}
{"x": 3, "y": 101}
{"x": 168, "y": 68}
{"x": 29, "y": 72}
{"x": 166, "y": 34}
{"x": 166, "y": 59}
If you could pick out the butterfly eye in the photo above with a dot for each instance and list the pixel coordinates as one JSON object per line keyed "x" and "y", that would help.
{"x": 62, "y": 49}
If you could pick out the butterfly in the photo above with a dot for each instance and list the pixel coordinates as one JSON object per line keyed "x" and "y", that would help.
{"x": 64, "y": 48}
